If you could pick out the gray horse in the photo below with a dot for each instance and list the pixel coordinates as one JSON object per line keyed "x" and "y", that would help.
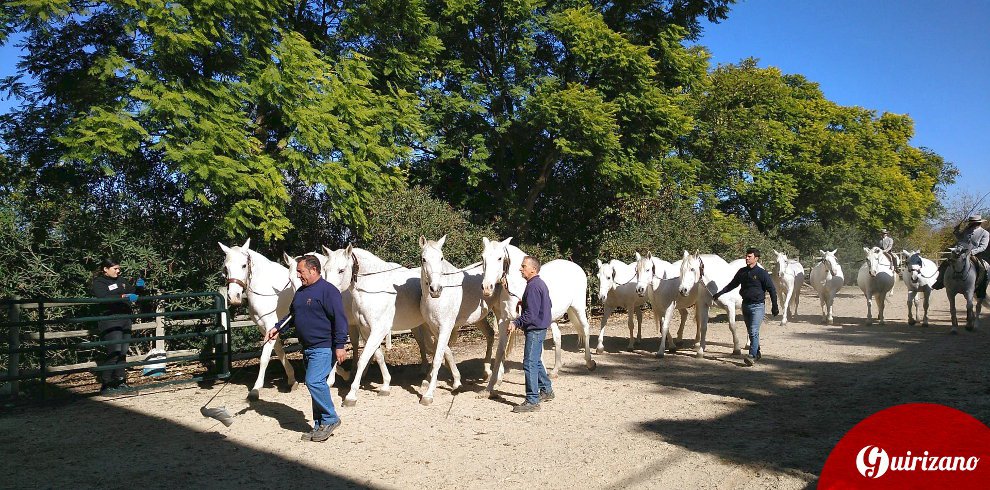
{"x": 961, "y": 278}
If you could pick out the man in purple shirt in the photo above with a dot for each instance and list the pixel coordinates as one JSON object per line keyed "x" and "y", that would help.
{"x": 317, "y": 313}
{"x": 534, "y": 321}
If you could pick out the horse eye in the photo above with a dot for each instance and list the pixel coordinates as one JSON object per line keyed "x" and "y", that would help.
{"x": 244, "y": 266}
{"x": 340, "y": 271}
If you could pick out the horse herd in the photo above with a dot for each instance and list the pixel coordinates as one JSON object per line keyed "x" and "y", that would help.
{"x": 433, "y": 300}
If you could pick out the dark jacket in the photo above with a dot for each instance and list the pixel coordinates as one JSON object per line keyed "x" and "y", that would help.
{"x": 755, "y": 282}
{"x": 318, "y": 316}
{"x": 536, "y": 306}
{"x": 105, "y": 287}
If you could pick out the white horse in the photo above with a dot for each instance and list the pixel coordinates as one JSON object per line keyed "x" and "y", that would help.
{"x": 961, "y": 277}
{"x": 703, "y": 276}
{"x": 450, "y": 297}
{"x": 385, "y": 297}
{"x": 617, "y": 289}
{"x": 566, "y": 283}
{"x": 266, "y": 287}
{"x": 659, "y": 281}
{"x": 827, "y": 280}
{"x": 788, "y": 281}
{"x": 876, "y": 279}
{"x": 919, "y": 274}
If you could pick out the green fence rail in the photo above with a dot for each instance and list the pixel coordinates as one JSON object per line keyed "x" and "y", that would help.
{"x": 215, "y": 321}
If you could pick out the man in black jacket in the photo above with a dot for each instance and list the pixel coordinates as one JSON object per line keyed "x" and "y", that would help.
{"x": 756, "y": 283}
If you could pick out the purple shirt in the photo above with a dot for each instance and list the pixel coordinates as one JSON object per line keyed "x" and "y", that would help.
{"x": 535, "y": 306}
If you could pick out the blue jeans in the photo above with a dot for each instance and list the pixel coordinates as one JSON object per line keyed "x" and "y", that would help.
{"x": 319, "y": 360}
{"x": 537, "y": 380}
{"x": 753, "y": 316}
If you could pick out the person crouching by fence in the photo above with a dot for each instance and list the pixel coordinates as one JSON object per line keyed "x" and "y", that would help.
{"x": 107, "y": 283}
{"x": 317, "y": 313}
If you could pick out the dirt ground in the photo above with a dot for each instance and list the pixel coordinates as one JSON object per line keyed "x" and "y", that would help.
{"x": 634, "y": 422}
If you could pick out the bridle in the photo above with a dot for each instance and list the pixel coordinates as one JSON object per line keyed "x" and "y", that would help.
{"x": 355, "y": 274}
{"x": 503, "y": 280}
{"x": 247, "y": 286}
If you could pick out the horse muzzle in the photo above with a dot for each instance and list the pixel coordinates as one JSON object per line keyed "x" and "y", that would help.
{"x": 435, "y": 292}
{"x": 487, "y": 291}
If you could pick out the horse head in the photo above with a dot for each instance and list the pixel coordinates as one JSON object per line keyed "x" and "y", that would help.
{"x": 781, "y": 263}
{"x": 339, "y": 267}
{"x": 646, "y": 271}
{"x": 691, "y": 270}
{"x": 495, "y": 260}
{"x": 431, "y": 253}
{"x": 291, "y": 262}
{"x": 913, "y": 264}
{"x": 237, "y": 271}
{"x": 606, "y": 279}
{"x": 875, "y": 257}
{"x": 831, "y": 263}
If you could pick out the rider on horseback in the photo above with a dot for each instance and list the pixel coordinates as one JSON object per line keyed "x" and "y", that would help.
{"x": 885, "y": 244}
{"x": 975, "y": 238}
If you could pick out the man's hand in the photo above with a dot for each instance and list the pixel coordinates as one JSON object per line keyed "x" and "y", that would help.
{"x": 272, "y": 334}
{"x": 341, "y": 354}
{"x": 512, "y": 326}
{"x": 774, "y": 311}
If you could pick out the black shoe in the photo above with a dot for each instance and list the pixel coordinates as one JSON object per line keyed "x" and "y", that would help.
{"x": 526, "y": 407}
{"x": 749, "y": 361}
{"x": 546, "y": 396}
{"x": 324, "y": 432}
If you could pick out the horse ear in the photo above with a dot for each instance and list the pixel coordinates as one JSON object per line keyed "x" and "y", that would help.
{"x": 649, "y": 255}
{"x": 600, "y": 262}
{"x": 775, "y": 252}
{"x": 247, "y": 244}
{"x": 686, "y": 254}
{"x": 422, "y": 241}
{"x": 506, "y": 241}
{"x": 638, "y": 258}
{"x": 326, "y": 250}
{"x": 288, "y": 259}
{"x": 223, "y": 247}
{"x": 697, "y": 252}
{"x": 821, "y": 252}
{"x": 441, "y": 241}
{"x": 485, "y": 241}
{"x": 866, "y": 250}
{"x": 349, "y": 250}
{"x": 833, "y": 251}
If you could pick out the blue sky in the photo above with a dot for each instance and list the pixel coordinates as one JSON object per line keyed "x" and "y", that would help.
{"x": 930, "y": 60}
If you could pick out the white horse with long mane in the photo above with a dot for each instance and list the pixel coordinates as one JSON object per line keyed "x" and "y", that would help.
{"x": 788, "y": 280}
{"x": 617, "y": 289}
{"x": 827, "y": 280}
{"x": 702, "y": 276}
{"x": 385, "y": 297}
{"x": 876, "y": 279}
{"x": 919, "y": 275}
{"x": 450, "y": 297}
{"x": 659, "y": 282}
{"x": 567, "y": 285}
{"x": 266, "y": 287}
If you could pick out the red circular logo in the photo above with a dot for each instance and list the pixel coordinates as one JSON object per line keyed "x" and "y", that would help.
{"x": 917, "y": 445}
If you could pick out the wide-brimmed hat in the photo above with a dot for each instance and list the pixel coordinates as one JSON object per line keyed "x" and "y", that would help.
{"x": 975, "y": 218}
{"x": 884, "y": 231}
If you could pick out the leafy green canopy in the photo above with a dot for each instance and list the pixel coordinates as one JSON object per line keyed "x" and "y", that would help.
{"x": 232, "y": 98}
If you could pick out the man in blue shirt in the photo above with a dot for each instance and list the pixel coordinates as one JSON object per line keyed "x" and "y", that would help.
{"x": 534, "y": 321}
{"x": 317, "y": 313}
{"x": 756, "y": 283}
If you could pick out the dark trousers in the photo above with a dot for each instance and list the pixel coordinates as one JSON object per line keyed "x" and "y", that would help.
{"x": 115, "y": 354}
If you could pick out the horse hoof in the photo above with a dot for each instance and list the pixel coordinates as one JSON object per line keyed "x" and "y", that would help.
{"x": 293, "y": 386}
{"x": 924, "y": 325}
{"x": 254, "y": 395}
{"x": 600, "y": 350}
{"x": 659, "y": 354}
{"x": 592, "y": 365}
{"x": 384, "y": 392}
{"x": 699, "y": 355}
{"x": 426, "y": 401}
{"x": 953, "y": 332}
{"x": 349, "y": 402}
{"x": 911, "y": 322}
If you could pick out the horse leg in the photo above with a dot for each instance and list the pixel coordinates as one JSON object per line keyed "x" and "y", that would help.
{"x": 732, "y": 328}
{"x": 290, "y": 373}
{"x": 632, "y": 327}
{"x": 881, "y": 302}
{"x": 371, "y": 345}
{"x": 911, "y": 306}
{"x": 664, "y": 327}
{"x": 821, "y": 299}
{"x": 952, "y": 311}
{"x": 385, "y": 389}
{"x": 496, "y": 369}
{"x": 583, "y": 331}
{"x": 601, "y": 333}
{"x": 869, "y": 307}
{"x": 639, "y": 324}
{"x": 443, "y": 335}
{"x": 489, "y": 332}
{"x": 266, "y": 355}
{"x": 786, "y": 303}
{"x": 557, "y": 363}
{"x": 701, "y": 316}
{"x": 926, "y": 294}
{"x": 420, "y": 333}
{"x": 969, "y": 311}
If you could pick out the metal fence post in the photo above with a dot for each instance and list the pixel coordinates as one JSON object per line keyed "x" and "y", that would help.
{"x": 14, "y": 343}
{"x": 44, "y": 348}
{"x": 159, "y": 326}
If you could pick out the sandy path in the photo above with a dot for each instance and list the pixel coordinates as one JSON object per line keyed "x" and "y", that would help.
{"x": 634, "y": 422}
